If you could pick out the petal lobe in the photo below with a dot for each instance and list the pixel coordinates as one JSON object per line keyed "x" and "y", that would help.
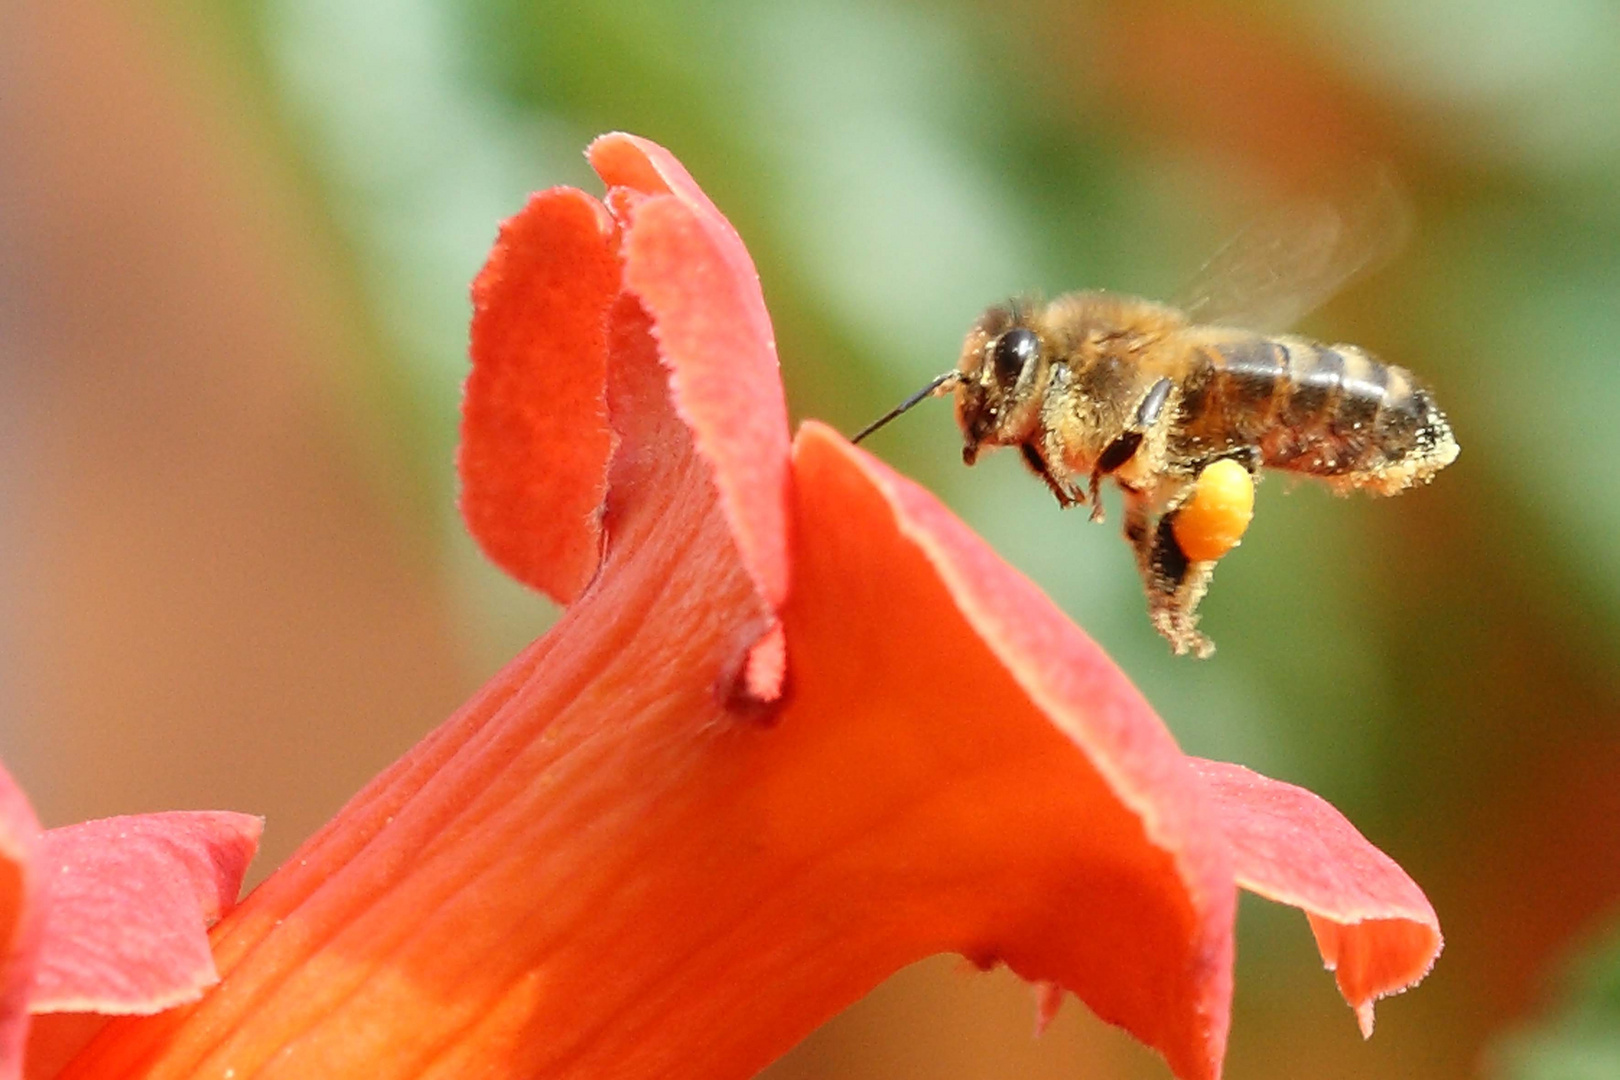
{"x": 535, "y": 438}
{"x": 130, "y": 901}
{"x": 20, "y": 921}
{"x": 1373, "y": 925}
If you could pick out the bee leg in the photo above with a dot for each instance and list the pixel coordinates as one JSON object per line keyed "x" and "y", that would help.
{"x": 1124, "y": 446}
{"x": 1113, "y": 456}
{"x": 1139, "y": 532}
{"x": 1096, "y": 497}
{"x": 1173, "y": 582}
{"x": 1037, "y": 465}
{"x": 1178, "y": 584}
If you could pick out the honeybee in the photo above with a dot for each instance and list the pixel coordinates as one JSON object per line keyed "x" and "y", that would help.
{"x": 1182, "y": 406}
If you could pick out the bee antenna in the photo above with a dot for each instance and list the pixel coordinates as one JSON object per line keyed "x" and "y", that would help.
{"x": 950, "y": 378}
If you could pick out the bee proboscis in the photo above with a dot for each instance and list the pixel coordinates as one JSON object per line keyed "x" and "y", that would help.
{"x": 1094, "y": 385}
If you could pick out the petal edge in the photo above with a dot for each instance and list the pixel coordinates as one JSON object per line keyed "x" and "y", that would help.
{"x": 130, "y": 900}
{"x": 1375, "y": 929}
{"x": 689, "y": 268}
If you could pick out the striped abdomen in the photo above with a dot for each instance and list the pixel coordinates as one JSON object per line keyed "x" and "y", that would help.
{"x": 1330, "y": 411}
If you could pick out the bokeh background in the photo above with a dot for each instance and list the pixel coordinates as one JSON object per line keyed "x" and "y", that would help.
{"x": 235, "y": 243}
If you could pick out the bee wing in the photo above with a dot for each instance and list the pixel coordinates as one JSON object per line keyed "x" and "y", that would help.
{"x": 1290, "y": 261}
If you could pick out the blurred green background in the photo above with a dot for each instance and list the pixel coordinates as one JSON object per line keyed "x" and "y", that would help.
{"x": 235, "y": 244}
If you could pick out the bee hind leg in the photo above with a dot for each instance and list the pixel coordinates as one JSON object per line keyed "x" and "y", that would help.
{"x": 1174, "y": 583}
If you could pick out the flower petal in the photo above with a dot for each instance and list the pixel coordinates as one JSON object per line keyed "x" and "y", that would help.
{"x": 695, "y": 278}
{"x": 1118, "y": 890}
{"x": 642, "y": 166}
{"x": 19, "y": 921}
{"x": 130, "y": 900}
{"x": 1372, "y": 923}
{"x": 55, "y": 1038}
{"x": 535, "y": 439}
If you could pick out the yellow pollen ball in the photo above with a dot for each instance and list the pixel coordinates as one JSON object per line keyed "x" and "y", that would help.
{"x": 1212, "y": 522}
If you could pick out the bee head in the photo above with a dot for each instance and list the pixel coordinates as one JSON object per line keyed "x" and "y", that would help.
{"x": 1003, "y": 374}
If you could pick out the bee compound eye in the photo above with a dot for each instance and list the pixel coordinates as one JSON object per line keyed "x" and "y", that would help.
{"x": 1013, "y": 350}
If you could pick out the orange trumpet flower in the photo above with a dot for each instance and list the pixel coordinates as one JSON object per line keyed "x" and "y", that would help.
{"x": 797, "y": 728}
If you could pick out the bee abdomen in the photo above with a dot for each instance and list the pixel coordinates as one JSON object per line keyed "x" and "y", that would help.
{"x": 1332, "y": 411}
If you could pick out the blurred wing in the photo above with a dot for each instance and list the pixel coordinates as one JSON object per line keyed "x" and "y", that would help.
{"x": 1290, "y": 261}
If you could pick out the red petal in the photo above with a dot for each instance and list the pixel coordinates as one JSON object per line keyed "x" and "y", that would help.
{"x": 1142, "y": 930}
{"x": 1373, "y": 924}
{"x": 54, "y": 1039}
{"x": 130, "y": 900}
{"x": 19, "y": 921}
{"x": 642, "y": 166}
{"x": 691, "y": 272}
{"x": 535, "y": 436}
